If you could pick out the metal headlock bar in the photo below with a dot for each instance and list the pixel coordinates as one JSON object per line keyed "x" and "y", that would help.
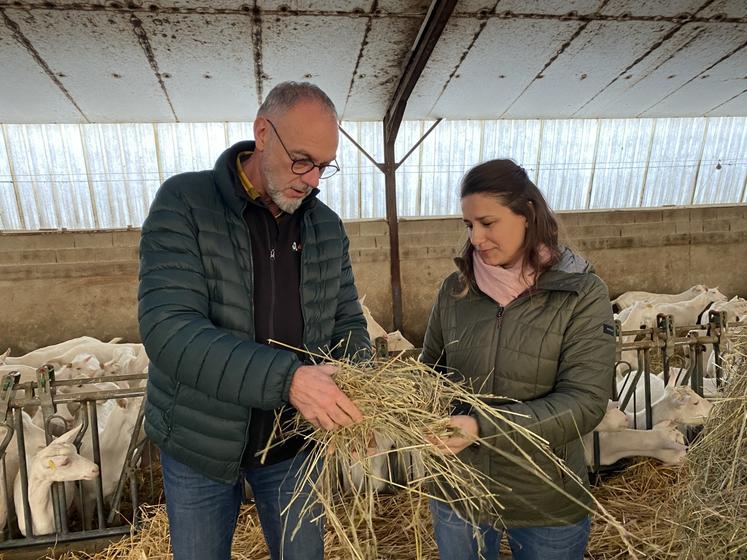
{"x": 667, "y": 337}
{"x": 45, "y": 394}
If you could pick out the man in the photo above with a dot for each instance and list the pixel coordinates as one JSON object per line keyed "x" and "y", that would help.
{"x": 232, "y": 260}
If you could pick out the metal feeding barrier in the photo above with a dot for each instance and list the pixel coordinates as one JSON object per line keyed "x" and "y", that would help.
{"x": 686, "y": 345}
{"x": 43, "y": 397}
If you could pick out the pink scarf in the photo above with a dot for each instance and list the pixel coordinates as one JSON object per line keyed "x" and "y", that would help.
{"x": 504, "y": 284}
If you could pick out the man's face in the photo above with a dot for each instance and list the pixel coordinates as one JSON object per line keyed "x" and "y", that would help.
{"x": 309, "y": 131}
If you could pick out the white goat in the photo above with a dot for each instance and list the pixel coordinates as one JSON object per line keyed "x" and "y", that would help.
{"x": 82, "y": 365}
{"x": 629, "y": 298}
{"x": 375, "y": 330}
{"x": 34, "y": 441}
{"x": 41, "y": 356}
{"x": 116, "y": 432}
{"x": 614, "y": 419}
{"x": 373, "y": 468}
{"x": 58, "y": 462}
{"x": 671, "y": 402}
{"x": 396, "y": 342}
{"x": 664, "y": 442}
{"x": 683, "y": 313}
{"x": 735, "y": 308}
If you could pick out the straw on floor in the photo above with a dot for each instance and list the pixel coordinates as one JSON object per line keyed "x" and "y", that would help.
{"x": 713, "y": 507}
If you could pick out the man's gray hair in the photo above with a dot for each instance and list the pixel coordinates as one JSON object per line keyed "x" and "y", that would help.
{"x": 285, "y": 95}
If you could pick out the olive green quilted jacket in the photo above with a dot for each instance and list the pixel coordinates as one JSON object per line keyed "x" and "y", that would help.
{"x": 554, "y": 352}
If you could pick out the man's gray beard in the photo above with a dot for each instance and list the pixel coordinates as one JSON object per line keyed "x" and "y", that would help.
{"x": 287, "y": 205}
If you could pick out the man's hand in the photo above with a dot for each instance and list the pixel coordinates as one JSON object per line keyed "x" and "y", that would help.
{"x": 466, "y": 431}
{"x": 316, "y": 396}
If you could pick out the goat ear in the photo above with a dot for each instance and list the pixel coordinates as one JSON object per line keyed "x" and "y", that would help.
{"x": 69, "y": 436}
{"x": 672, "y": 381}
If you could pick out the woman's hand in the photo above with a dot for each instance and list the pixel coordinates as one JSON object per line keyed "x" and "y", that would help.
{"x": 466, "y": 431}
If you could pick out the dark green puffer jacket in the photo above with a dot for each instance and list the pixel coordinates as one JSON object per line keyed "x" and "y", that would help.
{"x": 196, "y": 316}
{"x": 552, "y": 350}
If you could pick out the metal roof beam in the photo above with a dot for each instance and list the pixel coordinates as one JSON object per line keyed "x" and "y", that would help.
{"x": 430, "y": 31}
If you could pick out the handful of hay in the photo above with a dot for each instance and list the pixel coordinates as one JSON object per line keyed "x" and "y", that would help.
{"x": 406, "y": 404}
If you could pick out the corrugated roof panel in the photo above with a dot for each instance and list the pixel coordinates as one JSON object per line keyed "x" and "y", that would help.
{"x": 9, "y": 216}
{"x": 675, "y": 153}
{"x": 723, "y": 167}
{"x": 620, "y": 164}
{"x": 566, "y": 162}
{"x": 51, "y": 174}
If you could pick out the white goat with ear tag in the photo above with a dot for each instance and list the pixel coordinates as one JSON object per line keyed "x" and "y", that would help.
{"x": 57, "y": 462}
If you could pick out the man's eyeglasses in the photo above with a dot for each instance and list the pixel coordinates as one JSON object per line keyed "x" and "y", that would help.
{"x": 303, "y": 166}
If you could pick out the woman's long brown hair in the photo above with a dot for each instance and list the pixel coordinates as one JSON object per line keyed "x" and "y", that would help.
{"x": 511, "y": 187}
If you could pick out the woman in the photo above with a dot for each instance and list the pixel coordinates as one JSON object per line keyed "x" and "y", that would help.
{"x": 527, "y": 319}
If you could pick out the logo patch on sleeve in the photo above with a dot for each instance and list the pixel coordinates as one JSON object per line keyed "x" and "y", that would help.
{"x": 608, "y": 329}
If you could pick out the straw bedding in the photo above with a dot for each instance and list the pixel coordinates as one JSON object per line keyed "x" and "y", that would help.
{"x": 697, "y": 511}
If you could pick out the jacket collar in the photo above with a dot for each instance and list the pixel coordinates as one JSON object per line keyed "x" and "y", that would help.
{"x": 229, "y": 185}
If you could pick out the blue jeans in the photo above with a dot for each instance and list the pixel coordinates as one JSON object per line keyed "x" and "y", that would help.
{"x": 203, "y": 513}
{"x": 456, "y": 539}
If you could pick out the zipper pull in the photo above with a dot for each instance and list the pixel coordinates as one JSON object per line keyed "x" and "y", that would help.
{"x": 499, "y": 317}
{"x": 272, "y": 254}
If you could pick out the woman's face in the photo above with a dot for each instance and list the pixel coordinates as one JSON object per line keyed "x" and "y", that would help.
{"x": 494, "y": 230}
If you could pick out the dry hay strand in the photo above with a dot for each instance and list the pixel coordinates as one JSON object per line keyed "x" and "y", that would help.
{"x": 713, "y": 508}
{"x": 644, "y": 498}
{"x": 407, "y": 405}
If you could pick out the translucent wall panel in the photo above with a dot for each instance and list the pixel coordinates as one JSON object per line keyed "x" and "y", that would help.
{"x": 450, "y": 150}
{"x": 123, "y": 166}
{"x": 672, "y": 167}
{"x": 51, "y": 176}
{"x": 189, "y": 147}
{"x": 236, "y": 132}
{"x": 723, "y": 168}
{"x": 10, "y": 217}
{"x": 341, "y": 191}
{"x": 620, "y": 164}
{"x": 409, "y": 177}
{"x": 566, "y": 162}
{"x": 105, "y": 176}
{"x": 513, "y": 139}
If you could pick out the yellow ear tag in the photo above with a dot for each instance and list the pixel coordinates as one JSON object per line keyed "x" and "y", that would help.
{"x": 51, "y": 465}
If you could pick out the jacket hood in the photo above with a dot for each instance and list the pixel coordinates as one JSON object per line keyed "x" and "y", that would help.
{"x": 572, "y": 263}
{"x": 569, "y": 274}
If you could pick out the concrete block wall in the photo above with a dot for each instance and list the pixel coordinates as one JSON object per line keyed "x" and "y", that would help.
{"x": 58, "y": 285}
